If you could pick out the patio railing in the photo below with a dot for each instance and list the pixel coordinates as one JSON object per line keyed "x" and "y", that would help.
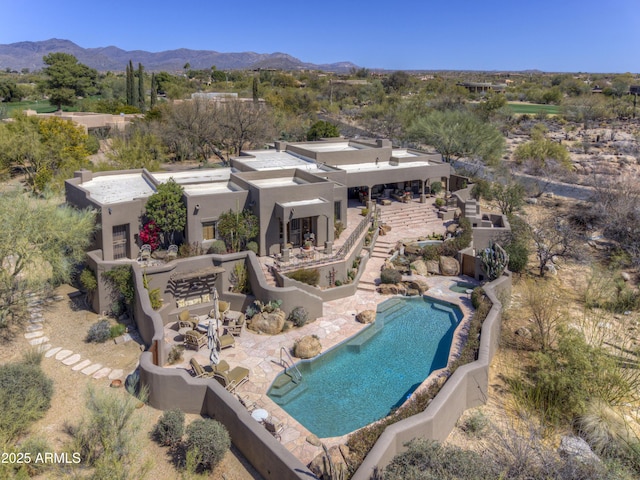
{"x": 342, "y": 251}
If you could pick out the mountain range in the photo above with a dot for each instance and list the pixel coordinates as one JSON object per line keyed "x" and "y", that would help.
{"x": 17, "y": 56}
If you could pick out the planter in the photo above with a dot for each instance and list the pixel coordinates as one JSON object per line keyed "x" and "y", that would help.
{"x": 117, "y": 383}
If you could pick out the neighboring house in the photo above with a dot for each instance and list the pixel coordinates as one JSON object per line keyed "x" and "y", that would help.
{"x": 295, "y": 189}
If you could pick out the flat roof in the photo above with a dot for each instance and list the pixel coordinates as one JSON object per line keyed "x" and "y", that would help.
{"x": 118, "y": 188}
{"x": 372, "y": 166}
{"x": 299, "y": 203}
{"x": 278, "y": 182}
{"x": 330, "y": 147}
{"x": 206, "y": 188}
{"x": 194, "y": 176}
{"x": 402, "y": 153}
{"x": 277, "y": 160}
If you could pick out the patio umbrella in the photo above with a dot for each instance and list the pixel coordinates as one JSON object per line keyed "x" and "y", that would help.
{"x": 216, "y": 308}
{"x": 213, "y": 342}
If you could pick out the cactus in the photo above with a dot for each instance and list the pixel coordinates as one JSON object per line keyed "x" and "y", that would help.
{"x": 494, "y": 260}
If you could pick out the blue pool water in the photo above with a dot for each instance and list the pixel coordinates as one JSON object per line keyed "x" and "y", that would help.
{"x": 362, "y": 379}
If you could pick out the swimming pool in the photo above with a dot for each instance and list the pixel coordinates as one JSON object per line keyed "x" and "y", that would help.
{"x": 362, "y": 379}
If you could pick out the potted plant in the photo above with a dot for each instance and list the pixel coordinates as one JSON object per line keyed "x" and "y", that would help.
{"x": 308, "y": 245}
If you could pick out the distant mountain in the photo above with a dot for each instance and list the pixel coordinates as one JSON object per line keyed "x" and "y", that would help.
{"x": 17, "y": 56}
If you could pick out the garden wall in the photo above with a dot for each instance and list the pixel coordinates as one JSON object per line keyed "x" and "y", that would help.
{"x": 466, "y": 388}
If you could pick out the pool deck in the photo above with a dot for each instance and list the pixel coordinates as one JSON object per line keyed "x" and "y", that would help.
{"x": 261, "y": 353}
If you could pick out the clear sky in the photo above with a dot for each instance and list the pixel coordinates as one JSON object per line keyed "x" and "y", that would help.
{"x": 558, "y": 35}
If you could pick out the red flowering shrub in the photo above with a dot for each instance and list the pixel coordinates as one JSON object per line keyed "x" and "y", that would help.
{"x": 150, "y": 234}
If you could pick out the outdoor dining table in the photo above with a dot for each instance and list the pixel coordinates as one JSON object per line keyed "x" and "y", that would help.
{"x": 260, "y": 414}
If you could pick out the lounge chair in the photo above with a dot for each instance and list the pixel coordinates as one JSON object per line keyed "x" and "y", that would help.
{"x": 222, "y": 367}
{"x": 199, "y": 371}
{"x": 233, "y": 379}
{"x": 274, "y": 429}
{"x": 195, "y": 340}
{"x": 246, "y": 403}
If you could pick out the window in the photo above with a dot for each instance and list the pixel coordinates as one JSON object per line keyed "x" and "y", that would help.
{"x": 209, "y": 230}
{"x": 337, "y": 209}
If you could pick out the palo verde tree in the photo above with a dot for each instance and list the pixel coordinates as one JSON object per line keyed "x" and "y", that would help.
{"x": 167, "y": 210}
{"x": 322, "y": 129}
{"x": 40, "y": 242}
{"x": 457, "y": 134}
{"x": 66, "y": 79}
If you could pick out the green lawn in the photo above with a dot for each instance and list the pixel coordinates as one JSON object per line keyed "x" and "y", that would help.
{"x": 41, "y": 106}
{"x": 533, "y": 109}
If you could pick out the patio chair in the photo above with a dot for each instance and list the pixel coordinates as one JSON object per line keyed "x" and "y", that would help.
{"x": 232, "y": 379}
{"x": 195, "y": 340}
{"x": 221, "y": 367}
{"x": 235, "y": 325}
{"x": 186, "y": 320}
{"x": 274, "y": 429}
{"x": 145, "y": 253}
{"x": 172, "y": 252}
{"x": 227, "y": 340}
{"x": 199, "y": 371}
{"x": 223, "y": 309}
{"x": 246, "y": 403}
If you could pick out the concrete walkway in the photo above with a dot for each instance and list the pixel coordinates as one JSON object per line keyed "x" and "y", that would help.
{"x": 261, "y": 353}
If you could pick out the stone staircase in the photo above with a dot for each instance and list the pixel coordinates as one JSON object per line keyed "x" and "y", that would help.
{"x": 409, "y": 215}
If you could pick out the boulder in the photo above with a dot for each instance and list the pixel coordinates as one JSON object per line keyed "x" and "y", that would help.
{"x": 420, "y": 267}
{"x": 452, "y": 228}
{"x": 392, "y": 289}
{"x": 577, "y": 448}
{"x": 417, "y": 284}
{"x": 449, "y": 266}
{"x": 412, "y": 292}
{"x": 413, "y": 249}
{"x": 322, "y": 466}
{"x": 269, "y": 323}
{"x": 384, "y": 229}
{"x": 625, "y": 276}
{"x": 366, "y": 316}
{"x": 433, "y": 267}
{"x": 307, "y": 347}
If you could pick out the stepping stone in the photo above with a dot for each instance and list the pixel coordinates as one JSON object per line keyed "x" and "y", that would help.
{"x": 34, "y": 327}
{"x": 32, "y": 335}
{"x": 36, "y": 320}
{"x": 75, "y": 358}
{"x": 91, "y": 369}
{"x": 103, "y": 372}
{"x": 81, "y": 365}
{"x": 38, "y": 341}
{"x": 44, "y": 347}
{"x": 52, "y": 352}
{"x": 116, "y": 373}
{"x": 63, "y": 354}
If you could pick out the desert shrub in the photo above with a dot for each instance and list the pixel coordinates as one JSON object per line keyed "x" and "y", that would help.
{"x": 436, "y": 187}
{"x": 449, "y": 248}
{"x": 338, "y": 283}
{"x": 35, "y": 446}
{"x": 211, "y": 440}
{"x": 117, "y": 330}
{"x": 25, "y": 396}
{"x": 431, "y": 252}
{"x": 169, "y": 429}
{"x": 606, "y": 430}
{"x": 217, "y": 247}
{"x": 253, "y": 246}
{"x": 474, "y": 424}
{"x": 338, "y": 228}
{"x": 310, "y": 276}
{"x": 481, "y": 189}
{"x": 464, "y": 239}
{"x": 518, "y": 256}
{"x": 120, "y": 280}
{"x": 88, "y": 280}
{"x": 477, "y": 296}
{"x": 429, "y": 460}
{"x": 106, "y": 436}
{"x": 155, "y": 298}
{"x": 99, "y": 332}
{"x": 439, "y": 202}
{"x": 364, "y": 212}
{"x": 390, "y": 275}
{"x": 299, "y": 316}
{"x": 190, "y": 250}
{"x": 175, "y": 354}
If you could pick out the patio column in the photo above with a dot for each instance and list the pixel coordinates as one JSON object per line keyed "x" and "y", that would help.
{"x": 369, "y": 202}
{"x": 285, "y": 241}
{"x": 423, "y": 198}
